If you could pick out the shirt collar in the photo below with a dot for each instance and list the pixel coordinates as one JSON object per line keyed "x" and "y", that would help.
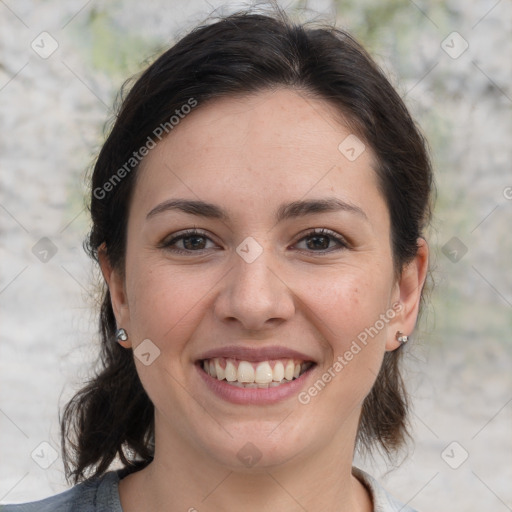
{"x": 382, "y": 500}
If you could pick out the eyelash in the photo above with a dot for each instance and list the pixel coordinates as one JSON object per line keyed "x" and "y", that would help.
{"x": 314, "y": 232}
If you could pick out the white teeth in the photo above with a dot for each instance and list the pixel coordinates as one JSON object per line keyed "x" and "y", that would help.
{"x": 245, "y": 372}
{"x": 213, "y": 370}
{"x": 263, "y": 373}
{"x": 288, "y": 371}
{"x": 250, "y": 375}
{"x": 220, "y": 373}
{"x": 230, "y": 371}
{"x": 278, "y": 373}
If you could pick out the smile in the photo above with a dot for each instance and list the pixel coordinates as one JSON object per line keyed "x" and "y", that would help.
{"x": 255, "y": 375}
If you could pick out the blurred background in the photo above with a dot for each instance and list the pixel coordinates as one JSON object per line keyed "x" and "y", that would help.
{"x": 61, "y": 66}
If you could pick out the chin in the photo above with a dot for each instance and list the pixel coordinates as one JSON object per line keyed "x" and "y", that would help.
{"x": 256, "y": 445}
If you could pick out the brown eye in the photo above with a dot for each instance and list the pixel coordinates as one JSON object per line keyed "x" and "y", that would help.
{"x": 319, "y": 241}
{"x": 191, "y": 240}
{"x": 194, "y": 242}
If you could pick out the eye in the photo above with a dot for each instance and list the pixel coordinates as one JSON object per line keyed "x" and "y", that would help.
{"x": 318, "y": 240}
{"x": 192, "y": 240}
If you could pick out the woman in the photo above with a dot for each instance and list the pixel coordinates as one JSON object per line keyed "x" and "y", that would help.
{"x": 258, "y": 215}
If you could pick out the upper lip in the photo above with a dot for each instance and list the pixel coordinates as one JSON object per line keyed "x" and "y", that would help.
{"x": 254, "y": 354}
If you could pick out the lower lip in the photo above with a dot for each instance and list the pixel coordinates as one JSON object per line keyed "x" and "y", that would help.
{"x": 254, "y": 396}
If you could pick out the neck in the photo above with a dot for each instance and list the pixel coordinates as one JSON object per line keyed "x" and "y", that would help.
{"x": 184, "y": 477}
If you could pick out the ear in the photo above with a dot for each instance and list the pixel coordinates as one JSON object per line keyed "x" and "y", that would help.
{"x": 408, "y": 294}
{"x": 116, "y": 286}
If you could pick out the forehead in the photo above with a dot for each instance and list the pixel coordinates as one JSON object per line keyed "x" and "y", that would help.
{"x": 278, "y": 145}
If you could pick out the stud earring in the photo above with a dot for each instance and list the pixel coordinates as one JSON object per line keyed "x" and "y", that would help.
{"x": 121, "y": 335}
{"x": 401, "y": 337}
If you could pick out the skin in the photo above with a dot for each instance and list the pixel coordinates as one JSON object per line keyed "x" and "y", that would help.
{"x": 249, "y": 155}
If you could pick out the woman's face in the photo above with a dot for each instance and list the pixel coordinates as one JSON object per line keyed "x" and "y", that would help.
{"x": 256, "y": 292}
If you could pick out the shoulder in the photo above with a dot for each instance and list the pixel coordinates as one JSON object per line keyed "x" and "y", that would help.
{"x": 89, "y": 496}
{"x": 62, "y": 502}
{"x": 382, "y": 500}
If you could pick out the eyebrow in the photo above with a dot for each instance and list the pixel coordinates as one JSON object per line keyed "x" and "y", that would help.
{"x": 284, "y": 212}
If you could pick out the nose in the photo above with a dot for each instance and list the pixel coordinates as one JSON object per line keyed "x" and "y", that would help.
{"x": 255, "y": 295}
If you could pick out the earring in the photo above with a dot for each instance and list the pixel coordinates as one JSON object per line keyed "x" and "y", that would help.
{"x": 401, "y": 337}
{"x": 121, "y": 335}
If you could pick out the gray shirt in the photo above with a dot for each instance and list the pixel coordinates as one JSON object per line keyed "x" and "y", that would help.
{"x": 102, "y": 495}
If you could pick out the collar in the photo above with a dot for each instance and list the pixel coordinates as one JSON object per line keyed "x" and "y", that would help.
{"x": 382, "y": 500}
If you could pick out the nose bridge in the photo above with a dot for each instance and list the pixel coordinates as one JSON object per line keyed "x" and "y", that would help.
{"x": 254, "y": 293}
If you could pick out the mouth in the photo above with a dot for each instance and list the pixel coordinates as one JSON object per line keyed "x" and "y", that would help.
{"x": 263, "y": 374}
{"x": 250, "y": 375}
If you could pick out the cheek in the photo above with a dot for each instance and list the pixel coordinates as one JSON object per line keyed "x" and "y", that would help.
{"x": 346, "y": 310}
{"x": 343, "y": 303}
{"x": 164, "y": 303}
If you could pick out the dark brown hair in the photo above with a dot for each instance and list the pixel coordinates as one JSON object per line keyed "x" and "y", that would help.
{"x": 241, "y": 54}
